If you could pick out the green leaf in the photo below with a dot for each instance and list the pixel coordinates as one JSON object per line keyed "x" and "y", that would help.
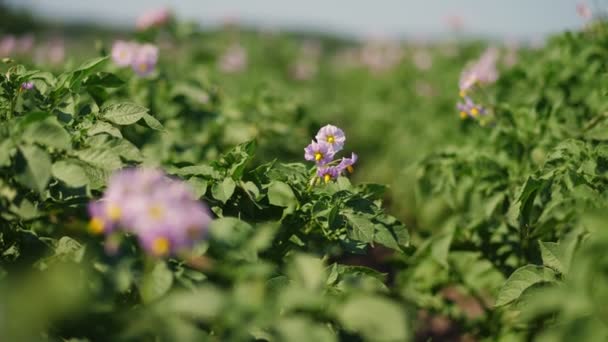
{"x": 362, "y": 228}
{"x": 48, "y": 132}
{"x": 522, "y": 279}
{"x": 375, "y": 318}
{"x": 104, "y": 127}
{"x": 153, "y": 123}
{"x": 156, "y": 282}
{"x": 281, "y": 195}
{"x": 198, "y": 185}
{"x": 558, "y": 256}
{"x": 37, "y": 172}
{"x": 70, "y": 172}
{"x": 100, "y": 157}
{"x": 224, "y": 190}
{"x": 202, "y": 303}
{"x": 230, "y": 230}
{"x": 123, "y": 113}
{"x": 6, "y": 148}
{"x": 307, "y": 271}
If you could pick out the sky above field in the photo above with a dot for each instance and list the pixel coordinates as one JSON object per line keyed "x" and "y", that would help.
{"x": 499, "y": 18}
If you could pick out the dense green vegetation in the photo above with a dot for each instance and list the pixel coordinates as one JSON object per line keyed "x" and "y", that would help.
{"x": 488, "y": 228}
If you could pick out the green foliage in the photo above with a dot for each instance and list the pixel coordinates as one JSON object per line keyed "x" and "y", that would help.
{"x": 507, "y": 238}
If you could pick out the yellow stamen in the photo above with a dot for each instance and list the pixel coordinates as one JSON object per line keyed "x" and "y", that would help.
{"x": 331, "y": 139}
{"x": 160, "y": 246}
{"x": 327, "y": 178}
{"x": 462, "y": 93}
{"x": 318, "y": 156}
{"x": 463, "y": 115}
{"x": 474, "y": 111}
{"x": 143, "y": 67}
{"x": 350, "y": 169}
{"x": 114, "y": 212}
{"x": 156, "y": 212}
{"x": 96, "y": 225}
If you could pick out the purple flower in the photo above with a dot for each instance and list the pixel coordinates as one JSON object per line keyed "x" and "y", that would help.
{"x": 347, "y": 164}
{"x": 483, "y": 71}
{"x": 145, "y": 59}
{"x": 319, "y": 152}
{"x": 328, "y": 173}
{"x": 333, "y": 136}
{"x": 123, "y": 52}
{"x": 234, "y": 59}
{"x": 27, "y": 86}
{"x": 153, "y": 18}
{"x": 162, "y": 212}
{"x": 7, "y": 45}
{"x": 470, "y": 109}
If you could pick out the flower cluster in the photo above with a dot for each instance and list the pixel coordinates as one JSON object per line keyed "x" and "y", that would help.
{"x": 153, "y": 18}
{"x": 481, "y": 72}
{"x": 141, "y": 57}
{"x": 162, "y": 212}
{"x": 234, "y": 59}
{"x": 329, "y": 141}
{"x": 26, "y": 86}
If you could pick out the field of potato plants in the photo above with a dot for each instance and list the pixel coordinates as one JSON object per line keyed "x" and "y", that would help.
{"x": 179, "y": 184}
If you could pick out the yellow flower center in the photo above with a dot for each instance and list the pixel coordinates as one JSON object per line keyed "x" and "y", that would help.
{"x": 160, "y": 246}
{"x": 474, "y": 111}
{"x": 462, "y": 93}
{"x": 463, "y": 115}
{"x": 331, "y": 139}
{"x": 113, "y": 211}
{"x": 96, "y": 225}
{"x": 318, "y": 156}
{"x": 350, "y": 169}
{"x": 156, "y": 212}
{"x": 143, "y": 67}
{"x": 327, "y": 178}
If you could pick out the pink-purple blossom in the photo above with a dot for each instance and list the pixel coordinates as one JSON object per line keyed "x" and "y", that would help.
{"x": 160, "y": 211}
{"x": 468, "y": 108}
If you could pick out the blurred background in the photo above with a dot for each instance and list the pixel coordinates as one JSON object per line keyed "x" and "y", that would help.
{"x": 521, "y": 19}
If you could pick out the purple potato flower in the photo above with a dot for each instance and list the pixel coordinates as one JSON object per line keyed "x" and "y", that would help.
{"x": 162, "y": 212}
{"x": 483, "y": 71}
{"x": 328, "y": 173}
{"x": 319, "y": 152}
{"x": 333, "y": 136}
{"x": 144, "y": 59}
{"x": 470, "y": 109}
{"x": 27, "y": 86}
{"x": 347, "y": 164}
{"x": 153, "y": 18}
{"x": 123, "y": 52}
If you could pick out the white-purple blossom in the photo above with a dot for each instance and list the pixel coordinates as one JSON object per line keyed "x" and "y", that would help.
{"x": 333, "y": 136}
{"x": 153, "y": 18}
{"x": 319, "y": 152}
{"x": 161, "y": 212}
{"x": 468, "y": 108}
{"x": 144, "y": 59}
{"x": 328, "y": 173}
{"x": 123, "y": 52}
{"x": 329, "y": 140}
{"x": 346, "y": 164}
{"x": 482, "y": 71}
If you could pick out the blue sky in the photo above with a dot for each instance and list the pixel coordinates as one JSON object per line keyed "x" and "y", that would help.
{"x": 500, "y": 18}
